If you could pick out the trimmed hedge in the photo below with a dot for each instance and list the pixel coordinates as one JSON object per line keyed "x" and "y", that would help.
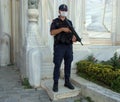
{"x": 99, "y": 72}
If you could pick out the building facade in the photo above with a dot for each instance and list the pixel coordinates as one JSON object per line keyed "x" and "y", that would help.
{"x": 25, "y": 38}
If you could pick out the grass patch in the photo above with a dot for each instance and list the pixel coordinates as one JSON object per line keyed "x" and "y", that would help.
{"x": 26, "y": 83}
{"x": 88, "y": 99}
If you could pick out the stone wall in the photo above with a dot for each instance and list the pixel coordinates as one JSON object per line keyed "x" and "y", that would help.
{"x": 117, "y": 37}
{"x": 0, "y": 28}
{"x": 5, "y": 32}
{"x": 0, "y": 20}
{"x": 6, "y": 16}
{"x": 20, "y": 54}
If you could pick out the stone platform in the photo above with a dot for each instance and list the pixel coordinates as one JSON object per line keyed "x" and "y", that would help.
{"x": 63, "y": 91}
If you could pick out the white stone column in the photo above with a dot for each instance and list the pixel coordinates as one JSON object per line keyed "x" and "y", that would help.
{"x": 33, "y": 54}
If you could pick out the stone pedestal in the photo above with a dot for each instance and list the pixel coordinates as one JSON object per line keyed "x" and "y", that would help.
{"x": 63, "y": 91}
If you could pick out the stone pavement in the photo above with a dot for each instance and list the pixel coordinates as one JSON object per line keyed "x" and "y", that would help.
{"x": 11, "y": 89}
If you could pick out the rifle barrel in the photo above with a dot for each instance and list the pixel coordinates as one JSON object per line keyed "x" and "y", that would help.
{"x": 73, "y": 31}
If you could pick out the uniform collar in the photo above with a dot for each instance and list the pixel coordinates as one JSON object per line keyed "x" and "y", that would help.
{"x": 60, "y": 19}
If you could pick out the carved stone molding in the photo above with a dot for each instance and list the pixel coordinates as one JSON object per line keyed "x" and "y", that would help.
{"x": 33, "y": 14}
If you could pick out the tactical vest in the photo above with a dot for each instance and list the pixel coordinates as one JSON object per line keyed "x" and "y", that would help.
{"x": 62, "y": 37}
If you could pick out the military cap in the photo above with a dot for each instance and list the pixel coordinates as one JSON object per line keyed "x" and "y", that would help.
{"x": 63, "y": 7}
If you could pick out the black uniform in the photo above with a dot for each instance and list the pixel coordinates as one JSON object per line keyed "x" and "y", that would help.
{"x": 62, "y": 50}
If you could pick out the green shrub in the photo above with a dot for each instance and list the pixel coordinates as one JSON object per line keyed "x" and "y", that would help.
{"x": 116, "y": 84}
{"x": 82, "y": 65}
{"x": 114, "y": 61}
{"x": 26, "y": 83}
{"x": 99, "y": 72}
{"x": 91, "y": 58}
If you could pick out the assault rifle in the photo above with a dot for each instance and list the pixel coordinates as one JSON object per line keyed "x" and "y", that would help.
{"x": 73, "y": 31}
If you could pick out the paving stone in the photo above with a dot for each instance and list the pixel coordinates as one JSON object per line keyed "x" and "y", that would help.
{"x": 11, "y": 89}
{"x": 13, "y": 98}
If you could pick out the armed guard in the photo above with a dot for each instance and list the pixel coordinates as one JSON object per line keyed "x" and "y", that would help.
{"x": 63, "y": 50}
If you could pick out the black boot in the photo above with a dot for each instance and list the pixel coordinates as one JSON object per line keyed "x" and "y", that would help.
{"x": 69, "y": 85}
{"x": 55, "y": 87}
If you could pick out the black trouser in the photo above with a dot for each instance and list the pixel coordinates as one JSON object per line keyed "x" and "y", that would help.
{"x": 62, "y": 51}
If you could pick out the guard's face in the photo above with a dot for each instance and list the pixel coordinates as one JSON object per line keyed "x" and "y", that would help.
{"x": 63, "y": 13}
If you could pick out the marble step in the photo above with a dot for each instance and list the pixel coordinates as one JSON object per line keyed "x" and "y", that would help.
{"x": 63, "y": 91}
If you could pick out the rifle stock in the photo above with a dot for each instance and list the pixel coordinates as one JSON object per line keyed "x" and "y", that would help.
{"x": 73, "y": 31}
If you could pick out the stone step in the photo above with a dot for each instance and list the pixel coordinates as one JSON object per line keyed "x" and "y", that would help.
{"x": 63, "y": 91}
{"x": 96, "y": 92}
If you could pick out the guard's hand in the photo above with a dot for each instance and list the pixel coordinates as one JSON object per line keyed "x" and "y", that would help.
{"x": 74, "y": 39}
{"x": 65, "y": 29}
